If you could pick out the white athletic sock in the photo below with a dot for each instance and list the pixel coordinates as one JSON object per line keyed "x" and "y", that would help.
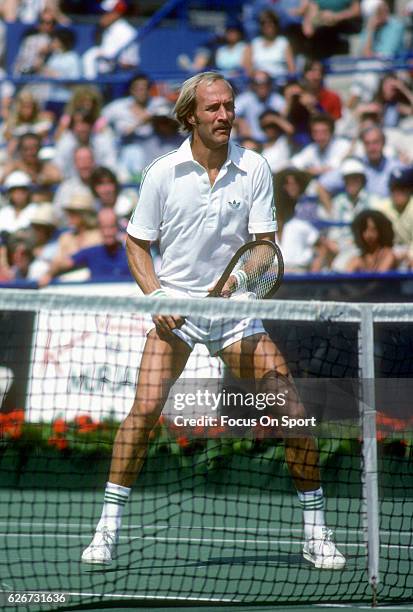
{"x": 312, "y": 503}
{"x": 114, "y": 503}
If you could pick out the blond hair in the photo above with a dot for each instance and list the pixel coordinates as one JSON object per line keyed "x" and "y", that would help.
{"x": 186, "y": 102}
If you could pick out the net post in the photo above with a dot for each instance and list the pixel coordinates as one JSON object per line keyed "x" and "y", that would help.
{"x": 369, "y": 448}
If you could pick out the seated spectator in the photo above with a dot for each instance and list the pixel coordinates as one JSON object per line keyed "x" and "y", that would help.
{"x": 165, "y": 138}
{"x": 84, "y": 163}
{"x": 373, "y": 234}
{"x": 18, "y": 213}
{"x": 82, "y": 232}
{"x": 326, "y": 151}
{"x": 106, "y": 189}
{"x": 300, "y": 106}
{"x": 378, "y": 166}
{"x": 381, "y": 39}
{"x": 313, "y": 82}
{"x": 43, "y": 229}
{"x": 395, "y": 98}
{"x": 25, "y": 117}
{"x": 41, "y": 172}
{"x": 35, "y": 44}
{"x": 269, "y": 52}
{"x": 326, "y": 22}
{"x": 252, "y": 103}
{"x": 106, "y": 260}
{"x": 117, "y": 50}
{"x": 398, "y": 208}
{"x": 290, "y": 190}
{"x": 284, "y": 9}
{"x": 225, "y": 53}
{"x": 340, "y": 247}
{"x": 398, "y": 141}
{"x": 86, "y": 99}
{"x": 19, "y": 258}
{"x": 276, "y": 149}
{"x": 383, "y": 35}
{"x": 131, "y": 117}
{"x": 61, "y": 62}
{"x": 29, "y": 11}
{"x": 298, "y": 241}
{"x": 80, "y": 133}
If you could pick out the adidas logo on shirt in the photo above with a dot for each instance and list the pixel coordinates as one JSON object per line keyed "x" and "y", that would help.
{"x": 235, "y": 205}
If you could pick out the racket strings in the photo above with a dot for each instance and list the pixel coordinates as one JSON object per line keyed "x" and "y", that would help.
{"x": 261, "y": 270}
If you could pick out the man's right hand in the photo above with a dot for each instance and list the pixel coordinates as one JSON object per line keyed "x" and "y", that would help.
{"x": 165, "y": 324}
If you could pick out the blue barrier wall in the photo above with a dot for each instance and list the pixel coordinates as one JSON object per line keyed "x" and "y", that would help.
{"x": 158, "y": 49}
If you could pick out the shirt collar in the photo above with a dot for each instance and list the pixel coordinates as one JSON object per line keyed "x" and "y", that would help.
{"x": 235, "y": 155}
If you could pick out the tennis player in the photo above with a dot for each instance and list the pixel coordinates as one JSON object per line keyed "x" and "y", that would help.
{"x": 202, "y": 202}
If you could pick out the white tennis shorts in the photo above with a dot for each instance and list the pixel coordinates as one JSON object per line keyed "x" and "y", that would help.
{"x": 217, "y": 334}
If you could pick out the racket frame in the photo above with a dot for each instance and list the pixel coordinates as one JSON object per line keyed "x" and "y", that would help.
{"x": 234, "y": 260}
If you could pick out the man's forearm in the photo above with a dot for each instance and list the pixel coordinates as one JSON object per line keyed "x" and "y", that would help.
{"x": 141, "y": 264}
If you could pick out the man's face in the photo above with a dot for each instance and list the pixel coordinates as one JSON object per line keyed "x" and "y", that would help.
{"x": 140, "y": 90}
{"x": 354, "y": 184}
{"x": 82, "y": 130}
{"x": 261, "y": 85}
{"x": 19, "y": 197}
{"x": 109, "y": 229}
{"x": 214, "y": 114}
{"x": 400, "y": 196}
{"x": 30, "y": 150}
{"x": 321, "y": 134}
{"x": 106, "y": 191}
{"x": 47, "y": 22}
{"x": 314, "y": 75}
{"x": 373, "y": 145}
{"x": 84, "y": 163}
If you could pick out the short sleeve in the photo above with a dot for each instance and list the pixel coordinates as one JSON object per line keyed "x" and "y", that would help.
{"x": 145, "y": 221}
{"x": 262, "y": 217}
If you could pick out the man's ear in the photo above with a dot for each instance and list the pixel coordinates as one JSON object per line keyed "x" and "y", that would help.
{"x": 191, "y": 119}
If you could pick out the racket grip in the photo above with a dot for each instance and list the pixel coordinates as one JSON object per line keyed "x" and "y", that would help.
{"x": 241, "y": 278}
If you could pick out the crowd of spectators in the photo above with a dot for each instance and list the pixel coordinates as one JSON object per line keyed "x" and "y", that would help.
{"x": 72, "y": 155}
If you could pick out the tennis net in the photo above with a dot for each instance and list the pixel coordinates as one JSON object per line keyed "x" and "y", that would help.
{"x": 214, "y": 516}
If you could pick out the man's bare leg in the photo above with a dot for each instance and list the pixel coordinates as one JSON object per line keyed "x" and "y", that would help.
{"x": 258, "y": 358}
{"x": 162, "y": 363}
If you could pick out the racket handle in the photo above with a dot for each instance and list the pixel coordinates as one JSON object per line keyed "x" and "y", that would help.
{"x": 241, "y": 279}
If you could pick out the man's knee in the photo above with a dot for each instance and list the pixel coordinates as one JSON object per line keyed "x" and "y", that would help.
{"x": 284, "y": 389}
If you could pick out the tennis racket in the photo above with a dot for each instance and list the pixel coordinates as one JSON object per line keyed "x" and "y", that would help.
{"x": 257, "y": 268}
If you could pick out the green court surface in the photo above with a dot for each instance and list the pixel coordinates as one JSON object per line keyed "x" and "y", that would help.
{"x": 189, "y": 550}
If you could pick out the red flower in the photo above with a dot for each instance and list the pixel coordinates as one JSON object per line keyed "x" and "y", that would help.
{"x": 182, "y": 441}
{"x": 11, "y": 423}
{"x": 17, "y": 416}
{"x": 60, "y": 443}
{"x": 82, "y": 419}
{"x": 60, "y": 426}
{"x": 14, "y": 430}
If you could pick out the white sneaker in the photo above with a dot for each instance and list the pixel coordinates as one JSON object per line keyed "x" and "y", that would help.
{"x": 102, "y": 548}
{"x": 322, "y": 552}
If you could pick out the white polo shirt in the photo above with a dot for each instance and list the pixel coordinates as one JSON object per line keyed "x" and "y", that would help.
{"x": 199, "y": 226}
